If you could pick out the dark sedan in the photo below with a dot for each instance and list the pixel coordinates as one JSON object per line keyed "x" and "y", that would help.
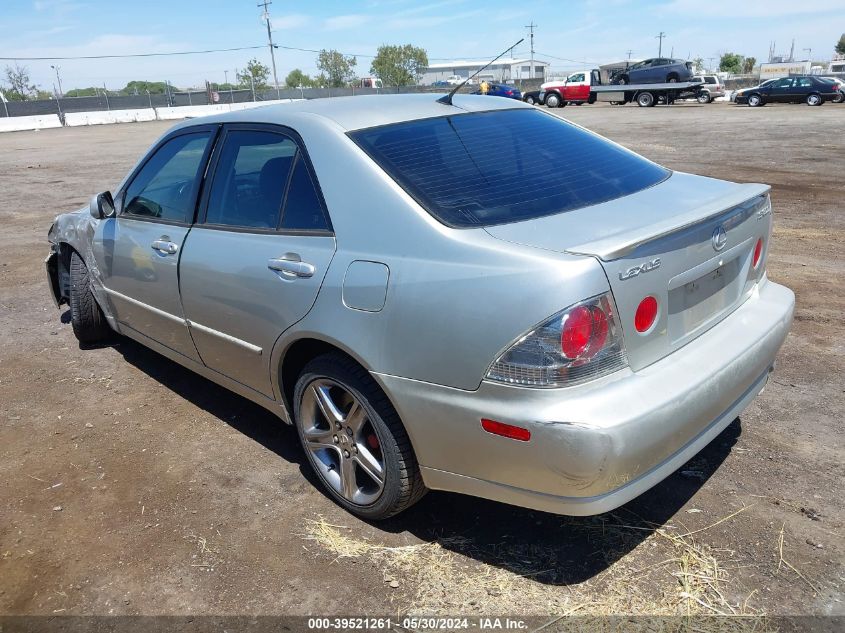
{"x": 801, "y": 89}
{"x": 534, "y": 97}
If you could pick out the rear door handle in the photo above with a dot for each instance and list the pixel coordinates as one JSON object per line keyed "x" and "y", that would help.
{"x": 164, "y": 245}
{"x": 291, "y": 268}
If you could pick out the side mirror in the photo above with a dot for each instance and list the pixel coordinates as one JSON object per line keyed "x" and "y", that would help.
{"x": 102, "y": 206}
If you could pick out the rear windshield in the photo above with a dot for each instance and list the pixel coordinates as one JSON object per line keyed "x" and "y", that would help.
{"x": 491, "y": 168}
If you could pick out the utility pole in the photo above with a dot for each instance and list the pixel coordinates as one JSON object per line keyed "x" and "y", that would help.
{"x": 531, "y": 28}
{"x": 809, "y": 55}
{"x": 266, "y": 16}
{"x": 59, "y": 79}
{"x": 629, "y": 54}
{"x": 106, "y": 93}
{"x": 660, "y": 37}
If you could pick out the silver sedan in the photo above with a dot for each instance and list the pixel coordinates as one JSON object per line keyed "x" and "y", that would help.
{"x": 477, "y": 297}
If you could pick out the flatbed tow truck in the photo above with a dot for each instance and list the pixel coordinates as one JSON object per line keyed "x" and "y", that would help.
{"x": 586, "y": 87}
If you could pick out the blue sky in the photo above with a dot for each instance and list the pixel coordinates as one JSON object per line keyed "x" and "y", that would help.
{"x": 570, "y": 34}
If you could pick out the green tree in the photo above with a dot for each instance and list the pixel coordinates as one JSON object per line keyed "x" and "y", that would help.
{"x": 137, "y": 87}
{"x": 337, "y": 69}
{"x": 298, "y": 79}
{"x": 840, "y": 45}
{"x": 748, "y": 65}
{"x": 82, "y": 92}
{"x": 399, "y": 65}
{"x": 255, "y": 69}
{"x": 731, "y": 63}
{"x": 20, "y": 86}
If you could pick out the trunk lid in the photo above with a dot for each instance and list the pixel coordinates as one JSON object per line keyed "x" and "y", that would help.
{"x": 663, "y": 242}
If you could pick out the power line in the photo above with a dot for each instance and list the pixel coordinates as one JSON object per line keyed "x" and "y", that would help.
{"x": 213, "y": 50}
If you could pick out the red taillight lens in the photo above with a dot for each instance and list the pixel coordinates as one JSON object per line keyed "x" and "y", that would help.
{"x": 506, "y": 430}
{"x": 584, "y": 332}
{"x": 646, "y": 314}
{"x": 758, "y": 251}
{"x": 576, "y": 333}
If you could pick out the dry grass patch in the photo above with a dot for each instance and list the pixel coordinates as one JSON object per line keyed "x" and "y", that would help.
{"x": 666, "y": 573}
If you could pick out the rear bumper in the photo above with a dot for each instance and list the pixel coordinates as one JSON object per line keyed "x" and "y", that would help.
{"x": 596, "y": 446}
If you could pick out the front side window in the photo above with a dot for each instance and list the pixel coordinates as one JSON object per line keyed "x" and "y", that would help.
{"x": 250, "y": 179}
{"x": 489, "y": 168}
{"x": 166, "y": 186}
{"x": 577, "y": 77}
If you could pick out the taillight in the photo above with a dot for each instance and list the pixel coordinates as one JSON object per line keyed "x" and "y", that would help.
{"x": 646, "y": 314}
{"x": 758, "y": 251}
{"x": 578, "y": 344}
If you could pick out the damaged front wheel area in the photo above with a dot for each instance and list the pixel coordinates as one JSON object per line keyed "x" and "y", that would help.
{"x": 89, "y": 323}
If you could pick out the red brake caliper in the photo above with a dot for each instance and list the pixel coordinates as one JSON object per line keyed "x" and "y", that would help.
{"x": 372, "y": 440}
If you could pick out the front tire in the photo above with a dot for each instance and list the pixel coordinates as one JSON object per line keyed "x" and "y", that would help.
{"x": 86, "y": 317}
{"x": 755, "y": 101}
{"x": 553, "y": 101}
{"x": 354, "y": 439}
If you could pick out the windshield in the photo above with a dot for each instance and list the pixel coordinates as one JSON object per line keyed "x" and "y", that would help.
{"x": 490, "y": 168}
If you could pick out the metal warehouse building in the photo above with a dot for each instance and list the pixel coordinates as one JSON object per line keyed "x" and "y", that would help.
{"x": 502, "y": 70}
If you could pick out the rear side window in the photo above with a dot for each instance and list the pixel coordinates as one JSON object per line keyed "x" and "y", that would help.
{"x": 303, "y": 210}
{"x": 166, "y": 186}
{"x": 489, "y": 168}
{"x": 250, "y": 179}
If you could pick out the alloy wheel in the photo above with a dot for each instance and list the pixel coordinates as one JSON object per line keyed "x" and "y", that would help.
{"x": 341, "y": 442}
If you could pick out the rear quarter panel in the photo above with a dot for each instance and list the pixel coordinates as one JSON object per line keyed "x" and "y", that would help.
{"x": 455, "y": 298}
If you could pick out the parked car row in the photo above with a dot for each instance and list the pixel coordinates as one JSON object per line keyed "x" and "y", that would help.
{"x": 585, "y": 87}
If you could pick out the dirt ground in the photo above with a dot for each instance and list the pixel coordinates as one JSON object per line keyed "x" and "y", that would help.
{"x": 129, "y": 485}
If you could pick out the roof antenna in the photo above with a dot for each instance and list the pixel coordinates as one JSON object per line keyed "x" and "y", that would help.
{"x": 447, "y": 99}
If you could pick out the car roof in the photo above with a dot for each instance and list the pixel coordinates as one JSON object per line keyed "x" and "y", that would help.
{"x": 354, "y": 113}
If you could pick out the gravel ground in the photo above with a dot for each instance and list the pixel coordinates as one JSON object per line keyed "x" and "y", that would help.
{"x": 128, "y": 485}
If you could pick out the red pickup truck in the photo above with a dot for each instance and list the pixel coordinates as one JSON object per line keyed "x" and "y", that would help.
{"x": 576, "y": 88}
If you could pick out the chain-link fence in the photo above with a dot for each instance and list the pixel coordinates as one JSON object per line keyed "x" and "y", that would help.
{"x": 105, "y": 101}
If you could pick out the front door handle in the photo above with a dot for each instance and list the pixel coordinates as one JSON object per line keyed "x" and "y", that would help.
{"x": 290, "y": 266}
{"x": 165, "y": 246}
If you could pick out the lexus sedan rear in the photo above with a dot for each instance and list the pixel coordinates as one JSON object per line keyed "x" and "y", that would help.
{"x": 435, "y": 311}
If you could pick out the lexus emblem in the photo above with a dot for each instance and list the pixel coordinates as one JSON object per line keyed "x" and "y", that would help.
{"x": 719, "y": 239}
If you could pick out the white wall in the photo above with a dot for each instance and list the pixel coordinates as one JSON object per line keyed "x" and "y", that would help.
{"x": 110, "y": 116}
{"x": 37, "y": 122}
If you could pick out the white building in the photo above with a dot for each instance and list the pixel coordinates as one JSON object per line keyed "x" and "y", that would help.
{"x": 502, "y": 70}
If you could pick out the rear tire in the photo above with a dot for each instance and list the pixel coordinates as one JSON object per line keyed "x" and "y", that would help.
{"x": 704, "y": 97}
{"x": 814, "y": 99}
{"x": 645, "y": 99}
{"x": 530, "y": 100}
{"x": 89, "y": 323}
{"x": 343, "y": 451}
{"x": 672, "y": 78}
{"x": 839, "y": 98}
